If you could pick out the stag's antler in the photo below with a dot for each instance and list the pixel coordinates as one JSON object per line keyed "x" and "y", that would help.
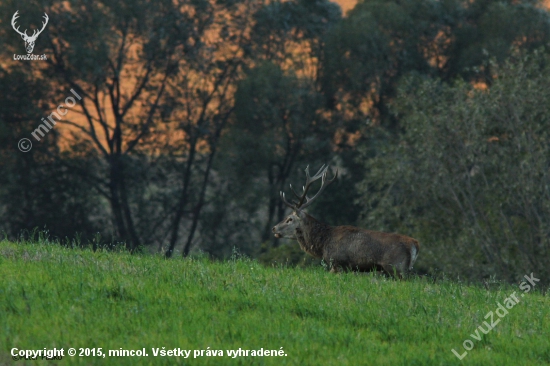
{"x": 35, "y": 33}
{"x": 300, "y": 204}
{"x": 13, "y": 19}
{"x": 43, "y": 25}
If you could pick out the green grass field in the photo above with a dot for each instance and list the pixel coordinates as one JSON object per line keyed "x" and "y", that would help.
{"x": 56, "y": 297}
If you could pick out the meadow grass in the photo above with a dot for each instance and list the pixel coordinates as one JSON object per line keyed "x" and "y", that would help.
{"x": 51, "y": 296}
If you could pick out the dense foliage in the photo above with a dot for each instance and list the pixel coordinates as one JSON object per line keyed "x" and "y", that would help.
{"x": 469, "y": 175}
{"x": 196, "y": 113}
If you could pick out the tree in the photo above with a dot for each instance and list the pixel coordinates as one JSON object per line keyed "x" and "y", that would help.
{"x": 379, "y": 42}
{"x": 291, "y": 33}
{"x": 276, "y": 128}
{"x": 468, "y": 177}
{"x": 205, "y": 93}
{"x": 156, "y": 81}
{"x": 36, "y": 191}
{"x": 121, "y": 72}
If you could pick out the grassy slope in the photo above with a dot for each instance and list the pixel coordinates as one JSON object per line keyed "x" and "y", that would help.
{"x": 54, "y": 297}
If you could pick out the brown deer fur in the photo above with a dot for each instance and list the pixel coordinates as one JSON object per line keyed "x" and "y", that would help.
{"x": 347, "y": 247}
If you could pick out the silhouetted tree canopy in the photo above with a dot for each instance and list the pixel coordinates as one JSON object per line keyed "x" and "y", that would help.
{"x": 195, "y": 114}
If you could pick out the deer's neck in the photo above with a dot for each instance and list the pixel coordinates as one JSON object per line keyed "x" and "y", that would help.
{"x": 313, "y": 236}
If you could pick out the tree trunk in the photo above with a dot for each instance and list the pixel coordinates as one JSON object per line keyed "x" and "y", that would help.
{"x": 198, "y": 207}
{"x": 200, "y": 204}
{"x": 115, "y": 201}
{"x": 119, "y": 205}
{"x": 182, "y": 200}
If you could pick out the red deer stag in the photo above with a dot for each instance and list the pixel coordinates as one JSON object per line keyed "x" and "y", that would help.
{"x": 344, "y": 247}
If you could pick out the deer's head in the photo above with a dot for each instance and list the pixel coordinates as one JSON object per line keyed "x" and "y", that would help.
{"x": 292, "y": 223}
{"x": 29, "y": 40}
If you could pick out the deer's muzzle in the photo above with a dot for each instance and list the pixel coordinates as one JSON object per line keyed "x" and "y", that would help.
{"x": 277, "y": 235}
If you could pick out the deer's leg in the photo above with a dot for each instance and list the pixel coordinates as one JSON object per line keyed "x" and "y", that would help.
{"x": 335, "y": 268}
{"x": 392, "y": 271}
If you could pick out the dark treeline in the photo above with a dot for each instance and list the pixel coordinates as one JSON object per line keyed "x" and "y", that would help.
{"x": 196, "y": 113}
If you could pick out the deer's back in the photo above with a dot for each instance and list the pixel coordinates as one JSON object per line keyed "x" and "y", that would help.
{"x": 355, "y": 247}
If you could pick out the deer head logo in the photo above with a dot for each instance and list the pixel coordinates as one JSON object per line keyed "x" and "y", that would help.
{"x": 29, "y": 40}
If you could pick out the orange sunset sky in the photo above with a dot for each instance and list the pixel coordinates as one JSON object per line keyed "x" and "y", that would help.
{"x": 348, "y": 4}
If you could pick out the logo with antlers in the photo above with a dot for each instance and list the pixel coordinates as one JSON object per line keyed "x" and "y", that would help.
{"x": 29, "y": 40}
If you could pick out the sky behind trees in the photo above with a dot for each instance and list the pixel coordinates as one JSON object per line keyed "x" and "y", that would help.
{"x": 196, "y": 114}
